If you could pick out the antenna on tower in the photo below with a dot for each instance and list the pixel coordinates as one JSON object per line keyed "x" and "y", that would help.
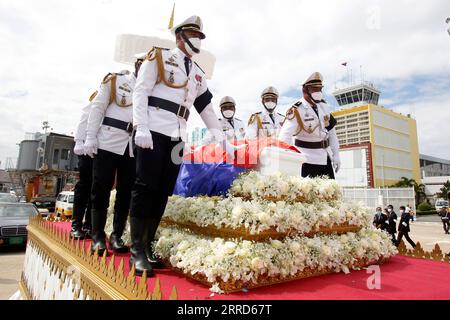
{"x": 45, "y": 126}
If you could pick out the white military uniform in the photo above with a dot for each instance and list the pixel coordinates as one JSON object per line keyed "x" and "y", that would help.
{"x": 119, "y": 107}
{"x": 163, "y": 121}
{"x": 302, "y": 123}
{"x": 233, "y": 128}
{"x": 261, "y": 124}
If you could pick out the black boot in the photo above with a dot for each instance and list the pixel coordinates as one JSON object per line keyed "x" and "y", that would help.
{"x": 87, "y": 225}
{"x": 116, "y": 243}
{"x": 138, "y": 257}
{"x": 87, "y": 229}
{"x": 149, "y": 238}
{"x": 98, "y": 231}
{"x": 76, "y": 231}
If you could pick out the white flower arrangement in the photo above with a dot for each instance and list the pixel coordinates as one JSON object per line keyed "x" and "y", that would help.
{"x": 245, "y": 260}
{"x": 258, "y": 215}
{"x": 254, "y": 185}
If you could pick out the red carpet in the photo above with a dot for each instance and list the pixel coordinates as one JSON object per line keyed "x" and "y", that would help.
{"x": 402, "y": 278}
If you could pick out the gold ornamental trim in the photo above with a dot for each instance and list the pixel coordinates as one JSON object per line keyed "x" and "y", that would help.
{"x": 24, "y": 293}
{"x": 232, "y": 286}
{"x": 436, "y": 254}
{"x": 98, "y": 278}
{"x": 272, "y": 233}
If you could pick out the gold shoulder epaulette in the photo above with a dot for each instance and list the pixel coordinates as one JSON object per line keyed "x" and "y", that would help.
{"x": 108, "y": 77}
{"x": 290, "y": 113}
{"x": 253, "y": 118}
{"x": 93, "y": 95}
{"x": 151, "y": 55}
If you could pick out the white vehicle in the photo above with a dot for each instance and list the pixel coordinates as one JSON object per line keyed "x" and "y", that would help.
{"x": 64, "y": 204}
{"x": 441, "y": 203}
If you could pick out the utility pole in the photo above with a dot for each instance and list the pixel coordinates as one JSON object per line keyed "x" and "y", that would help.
{"x": 45, "y": 126}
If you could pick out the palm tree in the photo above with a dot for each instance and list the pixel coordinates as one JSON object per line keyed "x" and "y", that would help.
{"x": 419, "y": 189}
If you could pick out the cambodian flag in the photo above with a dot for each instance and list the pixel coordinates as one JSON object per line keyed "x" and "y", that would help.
{"x": 209, "y": 170}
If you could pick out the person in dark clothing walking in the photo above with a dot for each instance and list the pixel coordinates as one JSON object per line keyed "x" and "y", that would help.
{"x": 377, "y": 217}
{"x": 403, "y": 227}
{"x": 392, "y": 220}
{"x": 444, "y": 213}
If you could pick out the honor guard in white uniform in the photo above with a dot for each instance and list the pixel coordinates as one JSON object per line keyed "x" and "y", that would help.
{"x": 310, "y": 126}
{"x": 233, "y": 128}
{"x": 109, "y": 142}
{"x": 82, "y": 193}
{"x": 268, "y": 122}
{"x": 168, "y": 85}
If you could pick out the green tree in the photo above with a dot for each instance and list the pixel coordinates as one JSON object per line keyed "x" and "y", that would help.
{"x": 443, "y": 192}
{"x": 419, "y": 189}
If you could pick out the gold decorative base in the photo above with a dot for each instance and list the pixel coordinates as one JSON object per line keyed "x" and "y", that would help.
{"x": 231, "y": 286}
{"x": 244, "y": 234}
{"x": 98, "y": 279}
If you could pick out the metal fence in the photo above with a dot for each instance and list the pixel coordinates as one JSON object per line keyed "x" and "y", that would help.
{"x": 382, "y": 197}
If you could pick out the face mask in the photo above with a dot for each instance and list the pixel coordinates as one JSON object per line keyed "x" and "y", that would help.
{"x": 270, "y": 105}
{"x": 402, "y": 211}
{"x": 317, "y": 96}
{"x": 228, "y": 114}
{"x": 196, "y": 43}
{"x": 389, "y": 210}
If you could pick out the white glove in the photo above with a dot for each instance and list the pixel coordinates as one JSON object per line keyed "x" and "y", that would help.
{"x": 336, "y": 162}
{"x": 90, "y": 147}
{"x": 143, "y": 137}
{"x": 79, "y": 148}
{"x": 230, "y": 148}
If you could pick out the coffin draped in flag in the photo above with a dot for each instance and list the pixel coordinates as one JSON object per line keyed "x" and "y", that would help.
{"x": 208, "y": 170}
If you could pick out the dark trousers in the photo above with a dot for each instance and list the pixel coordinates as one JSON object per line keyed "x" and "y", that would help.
{"x": 316, "y": 170}
{"x": 156, "y": 174}
{"x": 406, "y": 234}
{"x": 82, "y": 195}
{"x": 107, "y": 167}
{"x": 446, "y": 224}
{"x": 394, "y": 241}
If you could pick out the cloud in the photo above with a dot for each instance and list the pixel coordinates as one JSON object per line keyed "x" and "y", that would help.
{"x": 54, "y": 53}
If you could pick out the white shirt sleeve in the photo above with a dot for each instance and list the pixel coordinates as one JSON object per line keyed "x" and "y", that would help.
{"x": 211, "y": 121}
{"x": 145, "y": 82}
{"x": 80, "y": 131}
{"x": 334, "y": 142}
{"x": 289, "y": 128}
{"x": 98, "y": 109}
{"x": 252, "y": 130}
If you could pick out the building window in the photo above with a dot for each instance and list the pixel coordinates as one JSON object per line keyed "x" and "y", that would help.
{"x": 56, "y": 156}
{"x": 64, "y": 154}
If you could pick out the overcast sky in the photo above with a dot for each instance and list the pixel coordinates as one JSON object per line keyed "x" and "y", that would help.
{"x": 54, "y": 54}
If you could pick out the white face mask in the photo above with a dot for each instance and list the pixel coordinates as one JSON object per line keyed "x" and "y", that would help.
{"x": 228, "y": 114}
{"x": 270, "y": 105}
{"x": 196, "y": 42}
{"x": 317, "y": 96}
{"x": 389, "y": 210}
